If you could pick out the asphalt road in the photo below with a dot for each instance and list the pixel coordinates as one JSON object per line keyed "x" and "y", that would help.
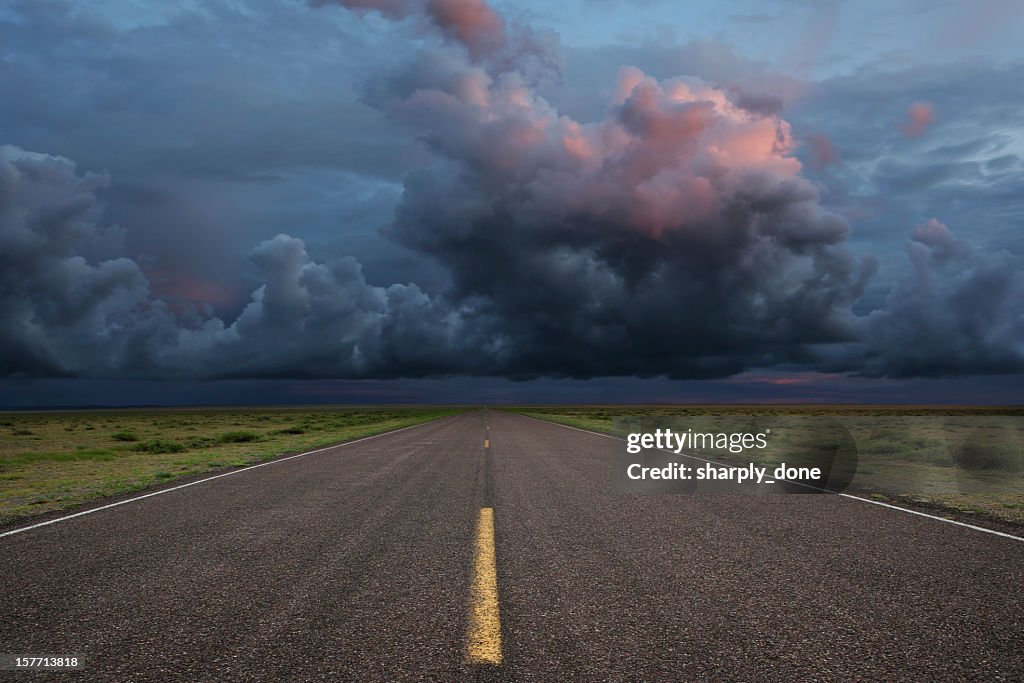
{"x": 359, "y": 563}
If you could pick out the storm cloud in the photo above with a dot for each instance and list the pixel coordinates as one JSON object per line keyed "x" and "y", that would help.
{"x": 675, "y": 234}
{"x": 63, "y": 315}
{"x": 956, "y": 312}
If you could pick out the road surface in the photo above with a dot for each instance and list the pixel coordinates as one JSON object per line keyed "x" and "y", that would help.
{"x": 489, "y": 546}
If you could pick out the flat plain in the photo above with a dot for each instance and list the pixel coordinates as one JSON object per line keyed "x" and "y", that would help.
{"x": 53, "y": 461}
{"x": 966, "y": 461}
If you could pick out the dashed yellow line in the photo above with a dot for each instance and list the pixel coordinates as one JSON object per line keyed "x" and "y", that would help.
{"x": 487, "y": 443}
{"x": 483, "y": 639}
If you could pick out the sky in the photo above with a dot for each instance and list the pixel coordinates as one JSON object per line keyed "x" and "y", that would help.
{"x": 281, "y": 201}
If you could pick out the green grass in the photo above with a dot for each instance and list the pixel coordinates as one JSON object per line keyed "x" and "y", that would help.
{"x": 963, "y": 459}
{"x": 86, "y": 454}
{"x": 291, "y": 430}
{"x": 57, "y": 460}
{"x": 239, "y": 437}
{"x": 160, "y": 446}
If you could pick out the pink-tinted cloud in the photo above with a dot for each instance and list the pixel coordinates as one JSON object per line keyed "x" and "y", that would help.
{"x": 934, "y": 241}
{"x": 677, "y": 200}
{"x": 668, "y": 154}
{"x": 471, "y": 23}
{"x": 920, "y": 116}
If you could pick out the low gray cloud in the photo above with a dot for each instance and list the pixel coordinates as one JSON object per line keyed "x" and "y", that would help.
{"x": 956, "y": 312}
{"x": 63, "y": 315}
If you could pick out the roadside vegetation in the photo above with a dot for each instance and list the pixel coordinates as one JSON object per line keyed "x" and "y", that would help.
{"x": 962, "y": 460}
{"x": 57, "y": 460}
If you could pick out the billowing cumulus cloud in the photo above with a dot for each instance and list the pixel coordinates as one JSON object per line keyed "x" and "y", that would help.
{"x": 64, "y": 315}
{"x": 673, "y": 235}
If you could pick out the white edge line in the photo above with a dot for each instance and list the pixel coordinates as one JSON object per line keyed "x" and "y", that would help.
{"x": 216, "y": 476}
{"x": 844, "y": 495}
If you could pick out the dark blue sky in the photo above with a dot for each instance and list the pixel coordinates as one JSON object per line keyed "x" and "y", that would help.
{"x": 266, "y": 200}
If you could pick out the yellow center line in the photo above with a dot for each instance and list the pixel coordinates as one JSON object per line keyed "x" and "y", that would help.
{"x": 483, "y": 639}
{"x": 487, "y": 443}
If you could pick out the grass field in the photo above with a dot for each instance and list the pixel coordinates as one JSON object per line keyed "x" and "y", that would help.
{"x": 963, "y": 460}
{"x": 57, "y": 460}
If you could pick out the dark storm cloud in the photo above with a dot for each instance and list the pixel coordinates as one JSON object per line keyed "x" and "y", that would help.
{"x": 669, "y": 231}
{"x": 674, "y": 237}
{"x": 55, "y": 304}
{"x": 957, "y": 312}
{"x": 236, "y": 115}
{"x": 64, "y": 315}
